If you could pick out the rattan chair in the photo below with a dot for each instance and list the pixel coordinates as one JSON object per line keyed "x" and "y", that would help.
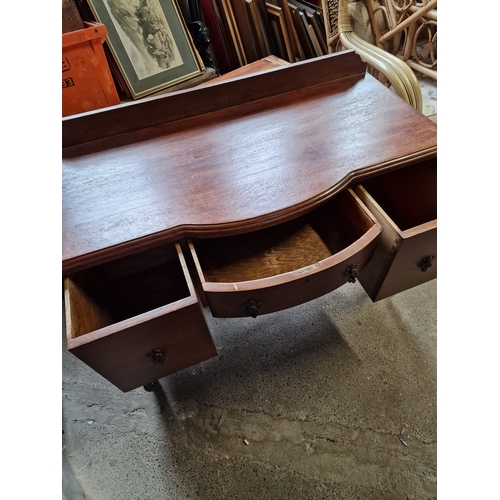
{"x": 384, "y": 34}
{"x": 407, "y": 29}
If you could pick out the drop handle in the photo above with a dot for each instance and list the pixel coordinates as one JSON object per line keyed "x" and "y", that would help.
{"x": 252, "y": 308}
{"x": 158, "y": 356}
{"x": 425, "y": 263}
{"x": 352, "y": 273}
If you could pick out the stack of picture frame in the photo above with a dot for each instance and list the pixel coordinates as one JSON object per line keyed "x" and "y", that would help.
{"x": 243, "y": 31}
{"x": 149, "y": 47}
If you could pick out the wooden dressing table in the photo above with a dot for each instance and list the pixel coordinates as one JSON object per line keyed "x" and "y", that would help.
{"x": 247, "y": 195}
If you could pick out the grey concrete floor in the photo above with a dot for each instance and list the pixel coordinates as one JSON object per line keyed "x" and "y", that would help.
{"x": 307, "y": 403}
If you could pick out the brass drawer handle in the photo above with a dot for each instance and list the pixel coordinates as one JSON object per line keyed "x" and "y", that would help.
{"x": 352, "y": 272}
{"x": 158, "y": 356}
{"x": 252, "y": 308}
{"x": 425, "y": 263}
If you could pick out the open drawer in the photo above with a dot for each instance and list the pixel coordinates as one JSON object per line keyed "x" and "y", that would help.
{"x": 288, "y": 264}
{"x": 136, "y": 319}
{"x": 405, "y": 204}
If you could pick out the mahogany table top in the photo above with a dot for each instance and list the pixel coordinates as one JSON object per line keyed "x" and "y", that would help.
{"x": 230, "y": 157}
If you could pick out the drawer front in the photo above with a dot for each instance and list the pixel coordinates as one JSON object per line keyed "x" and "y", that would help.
{"x": 134, "y": 353}
{"x": 287, "y": 264}
{"x": 415, "y": 263}
{"x": 263, "y": 296}
{"x": 137, "y": 319}
{"x": 405, "y": 204}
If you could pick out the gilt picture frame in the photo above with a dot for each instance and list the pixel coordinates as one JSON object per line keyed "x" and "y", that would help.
{"x": 149, "y": 42}
{"x": 278, "y": 26}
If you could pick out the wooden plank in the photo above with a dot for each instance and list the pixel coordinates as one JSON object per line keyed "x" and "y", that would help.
{"x": 154, "y": 111}
{"x": 264, "y": 64}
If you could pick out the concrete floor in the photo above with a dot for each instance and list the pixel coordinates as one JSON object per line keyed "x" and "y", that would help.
{"x": 307, "y": 403}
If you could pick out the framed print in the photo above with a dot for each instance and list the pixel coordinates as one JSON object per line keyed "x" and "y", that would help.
{"x": 149, "y": 42}
{"x": 230, "y": 25}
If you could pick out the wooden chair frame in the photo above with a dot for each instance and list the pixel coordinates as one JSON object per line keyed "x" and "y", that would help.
{"x": 408, "y": 26}
{"x": 394, "y": 69}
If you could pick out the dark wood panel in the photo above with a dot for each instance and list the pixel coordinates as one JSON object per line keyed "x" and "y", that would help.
{"x": 265, "y": 64}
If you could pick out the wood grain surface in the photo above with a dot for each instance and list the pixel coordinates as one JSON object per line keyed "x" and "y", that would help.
{"x": 261, "y": 150}
{"x": 269, "y": 252}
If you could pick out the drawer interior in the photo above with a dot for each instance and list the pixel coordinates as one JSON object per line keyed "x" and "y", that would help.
{"x": 409, "y": 195}
{"x": 286, "y": 247}
{"x": 124, "y": 288}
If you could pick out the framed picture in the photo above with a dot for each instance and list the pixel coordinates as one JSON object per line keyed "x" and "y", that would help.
{"x": 278, "y": 26}
{"x": 149, "y": 43}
